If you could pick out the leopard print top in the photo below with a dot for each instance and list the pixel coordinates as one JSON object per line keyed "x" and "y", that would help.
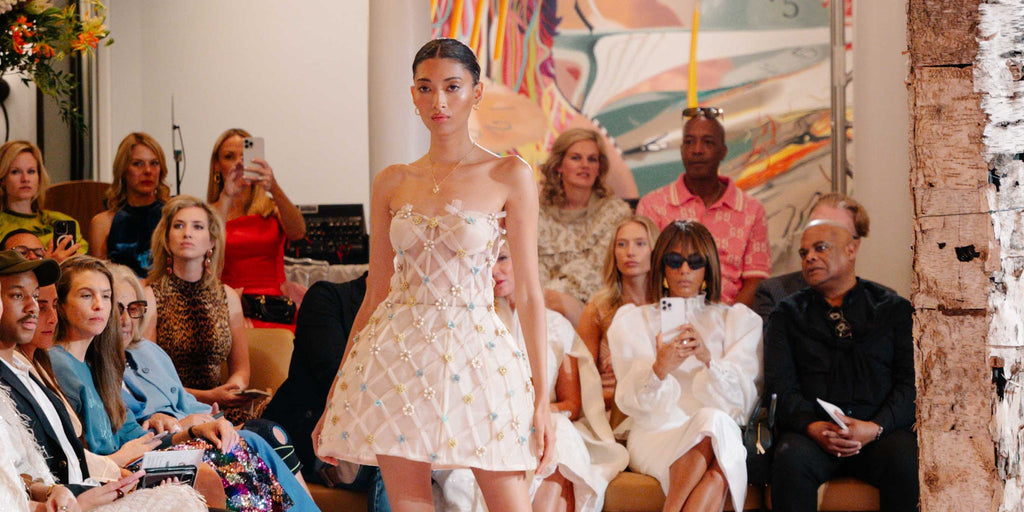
{"x": 192, "y": 327}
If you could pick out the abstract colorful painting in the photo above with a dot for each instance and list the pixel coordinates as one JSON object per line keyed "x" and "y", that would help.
{"x": 622, "y": 66}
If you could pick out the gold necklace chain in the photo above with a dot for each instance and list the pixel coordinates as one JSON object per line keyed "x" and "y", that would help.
{"x": 437, "y": 184}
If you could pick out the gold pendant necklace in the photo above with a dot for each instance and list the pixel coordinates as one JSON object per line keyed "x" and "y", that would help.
{"x": 437, "y": 184}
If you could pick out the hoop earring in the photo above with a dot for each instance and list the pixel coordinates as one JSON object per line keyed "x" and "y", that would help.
{"x": 217, "y": 178}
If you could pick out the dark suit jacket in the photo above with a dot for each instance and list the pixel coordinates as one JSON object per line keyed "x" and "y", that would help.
{"x": 45, "y": 436}
{"x": 771, "y": 291}
{"x": 321, "y": 333}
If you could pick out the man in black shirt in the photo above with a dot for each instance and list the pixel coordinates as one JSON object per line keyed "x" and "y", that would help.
{"x": 846, "y": 341}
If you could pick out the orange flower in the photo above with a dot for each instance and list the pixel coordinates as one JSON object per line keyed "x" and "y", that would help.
{"x": 45, "y": 50}
{"x": 85, "y": 40}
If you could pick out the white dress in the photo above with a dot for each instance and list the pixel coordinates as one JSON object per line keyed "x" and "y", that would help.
{"x": 669, "y": 417}
{"x": 587, "y": 453}
{"x": 435, "y": 376}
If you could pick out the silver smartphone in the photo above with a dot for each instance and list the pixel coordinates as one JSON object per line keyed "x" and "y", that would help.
{"x": 673, "y": 314}
{"x": 252, "y": 148}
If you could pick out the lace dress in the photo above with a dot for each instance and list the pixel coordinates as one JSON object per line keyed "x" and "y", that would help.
{"x": 435, "y": 376}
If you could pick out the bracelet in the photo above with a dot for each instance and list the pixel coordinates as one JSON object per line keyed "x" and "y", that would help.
{"x": 879, "y": 434}
{"x": 191, "y": 432}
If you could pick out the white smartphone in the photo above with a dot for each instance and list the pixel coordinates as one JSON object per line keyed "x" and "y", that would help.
{"x": 673, "y": 314}
{"x": 252, "y": 148}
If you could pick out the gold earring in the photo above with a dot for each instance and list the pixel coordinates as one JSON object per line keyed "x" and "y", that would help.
{"x": 217, "y": 178}
{"x": 703, "y": 286}
{"x": 206, "y": 262}
{"x": 664, "y": 283}
{"x": 476, "y": 106}
{"x": 170, "y": 265}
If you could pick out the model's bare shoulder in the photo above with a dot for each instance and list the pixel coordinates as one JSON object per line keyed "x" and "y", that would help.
{"x": 512, "y": 170}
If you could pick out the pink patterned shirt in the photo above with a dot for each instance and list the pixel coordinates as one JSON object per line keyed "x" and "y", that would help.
{"x": 736, "y": 221}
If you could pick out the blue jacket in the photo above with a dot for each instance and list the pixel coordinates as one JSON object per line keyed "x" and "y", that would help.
{"x": 75, "y": 380}
{"x": 152, "y": 385}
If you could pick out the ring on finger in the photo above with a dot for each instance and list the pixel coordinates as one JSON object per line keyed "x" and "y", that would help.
{"x": 120, "y": 494}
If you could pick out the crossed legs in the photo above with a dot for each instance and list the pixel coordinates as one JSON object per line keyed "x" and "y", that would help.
{"x": 696, "y": 481}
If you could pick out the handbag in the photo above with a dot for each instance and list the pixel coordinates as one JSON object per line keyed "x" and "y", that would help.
{"x": 759, "y": 439}
{"x": 278, "y": 309}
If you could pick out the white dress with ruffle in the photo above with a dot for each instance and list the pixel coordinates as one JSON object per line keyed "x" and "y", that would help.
{"x": 669, "y": 417}
{"x": 435, "y": 376}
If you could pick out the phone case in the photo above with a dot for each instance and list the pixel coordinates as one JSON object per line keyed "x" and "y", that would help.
{"x": 63, "y": 227}
{"x": 153, "y": 477}
{"x": 252, "y": 148}
{"x": 673, "y": 313}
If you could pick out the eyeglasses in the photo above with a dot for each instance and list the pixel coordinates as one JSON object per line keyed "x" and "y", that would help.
{"x": 25, "y": 251}
{"x": 840, "y": 325}
{"x": 136, "y": 309}
{"x": 708, "y": 112}
{"x": 675, "y": 260}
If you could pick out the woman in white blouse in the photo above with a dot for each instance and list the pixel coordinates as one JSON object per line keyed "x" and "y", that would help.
{"x": 688, "y": 390}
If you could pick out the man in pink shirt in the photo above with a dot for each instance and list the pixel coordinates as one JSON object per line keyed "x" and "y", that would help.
{"x": 735, "y": 219}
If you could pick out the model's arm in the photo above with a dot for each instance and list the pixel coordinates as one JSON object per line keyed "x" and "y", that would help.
{"x": 99, "y": 230}
{"x": 238, "y": 357}
{"x": 568, "y": 397}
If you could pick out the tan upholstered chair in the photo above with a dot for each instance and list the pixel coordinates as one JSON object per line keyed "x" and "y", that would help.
{"x": 80, "y": 199}
{"x": 270, "y": 351}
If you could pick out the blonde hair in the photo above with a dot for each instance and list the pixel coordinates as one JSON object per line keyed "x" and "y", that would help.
{"x": 608, "y": 299}
{"x": 551, "y": 192}
{"x": 8, "y": 152}
{"x": 105, "y": 355}
{"x": 162, "y": 255}
{"x": 260, "y": 202}
{"x": 123, "y": 273}
{"x": 117, "y": 194}
{"x": 697, "y": 236}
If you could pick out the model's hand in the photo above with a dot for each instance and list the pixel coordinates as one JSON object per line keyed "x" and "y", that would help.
{"x": 227, "y": 395}
{"x": 316, "y": 441}
{"x": 863, "y": 432}
{"x": 196, "y": 419}
{"x": 135, "y": 448}
{"x": 830, "y": 437}
{"x": 545, "y": 438}
{"x": 220, "y": 433}
{"x": 670, "y": 355}
{"x": 161, "y": 423}
{"x": 106, "y": 494}
{"x": 234, "y": 181}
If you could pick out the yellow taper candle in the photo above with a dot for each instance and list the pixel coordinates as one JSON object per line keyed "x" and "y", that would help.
{"x": 499, "y": 38}
{"x": 457, "y": 19}
{"x": 474, "y": 38}
{"x": 691, "y": 87}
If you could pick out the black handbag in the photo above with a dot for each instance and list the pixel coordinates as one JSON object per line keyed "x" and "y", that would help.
{"x": 759, "y": 439}
{"x": 278, "y": 309}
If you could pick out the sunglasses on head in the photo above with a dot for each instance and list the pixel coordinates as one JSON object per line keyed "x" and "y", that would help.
{"x": 675, "y": 260}
{"x": 708, "y": 112}
{"x": 136, "y": 309}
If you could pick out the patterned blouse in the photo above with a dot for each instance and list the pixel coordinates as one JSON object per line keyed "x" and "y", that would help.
{"x": 573, "y": 244}
{"x": 193, "y": 329}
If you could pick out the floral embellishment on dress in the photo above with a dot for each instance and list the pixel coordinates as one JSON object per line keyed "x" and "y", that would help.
{"x": 428, "y": 245}
{"x": 501, "y": 436}
{"x": 405, "y": 355}
{"x": 417, "y": 322}
{"x": 481, "y": 451}
{"x": 429, "y": 393}
{"x": 489, "y": 261}
{"x": 468, "y": 399}
{"x": 374, "y": 349}
{"x": 433, "y": 457}
{"x": 425, "y": 279}
{"x": 475, "y": 363}
{"x": 359, "y": 369}
{"x": 471, "y": 306}
{"x": 479, "y": 328}
{"x": 417, "y": 220}
{"x": 493, "y": 416}
{"x": 431, "y": 338}
{"x": 452, "y": 442}
{"x": 448, "y": 357}
{"x": 490, "y": 244}
{"x": 342, "y": 386}
{"x": 470, "y": 220}
{"x": 475, "y": 270}
{"x": 370, "y": 439}
{"x": 387, "y": 304}
{"x": 334, "y": 419}
{"x": 456, "y": 290}
{"x": 348, "y": 405}
{"x": 456, "y": 378}
{"x": 502, "y": 370}
{"x": 516, "y": 422}
{"x": 344, "y": 434}
{"x": 377, "y": 403}
{"x": 403, "y": 286}
{"x": 411, "y": 301}
{"x": 441, "y": 304}
{"x": 401, "y": 438}
{"x": 461, "y": 253}
{"x": 491, "y": 345}
{"x": 362, "y": 387}
{"x": 419, "y": 373}
{"x": 522, "y": 439}
{"x": 400, "y": 388}
{"x": 433, "y": 222}
{"x": 408, "y": 410}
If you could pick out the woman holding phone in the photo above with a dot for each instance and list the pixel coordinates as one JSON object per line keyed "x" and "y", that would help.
{"x": 258, "y": 218}
{"x": 23, "y": 184}
{"x": 688, "y": 390}
{"x": 431, "y": 378}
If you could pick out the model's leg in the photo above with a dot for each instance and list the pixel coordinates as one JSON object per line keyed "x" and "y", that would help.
{"x": 554, "y": 495}
{"x": 504, "y": 491}
{"x": 686, "y": 472}
{"x": 709, "y": 494}
{"x": 408, "y": 484}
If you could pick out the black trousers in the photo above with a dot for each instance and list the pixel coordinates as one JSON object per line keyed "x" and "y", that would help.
{"x": 800, "y": 466}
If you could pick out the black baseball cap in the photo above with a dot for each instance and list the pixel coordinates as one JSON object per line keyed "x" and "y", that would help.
{"x": 47, "y": 270}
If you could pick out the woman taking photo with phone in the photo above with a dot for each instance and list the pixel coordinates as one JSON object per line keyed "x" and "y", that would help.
{"x": 431, "y": 377}
{"x": 134, "y": 200}
{"x": 23, "y": 184}
{"x": 259, "y": 217}
{"x": 687, "y": 390}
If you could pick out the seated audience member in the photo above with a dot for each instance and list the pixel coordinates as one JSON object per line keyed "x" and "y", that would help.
{"x": 832, "y": 206}
{"x": 89, "y": 361}
{"x": 259, "y": 217}
{"x": 847, "y": 341}
{"x": 28, "y": 245}
{"x": 26, "y": 483}
{"x": 52, "y": 433}
{"x": 23, "y": 184}
{"x": 134, "y": 200}
{"x": 734, "y": 217}
{"x": 321, "y": 333}
{"x": 195, "y": 317}
{"x": 687, "y": 390}
{"x": 154, "y": 394}
{"x": 627, "y": 269}
{"x": 577, "y": 219}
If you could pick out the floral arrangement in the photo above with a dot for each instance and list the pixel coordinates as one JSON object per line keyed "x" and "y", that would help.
{"x": 35, "y": 35}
